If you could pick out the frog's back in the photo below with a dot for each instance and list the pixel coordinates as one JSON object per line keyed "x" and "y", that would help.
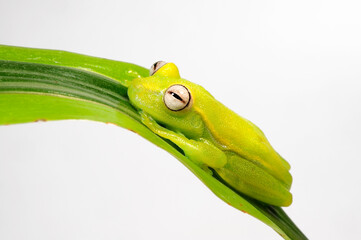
{"x": 234, "y": 133}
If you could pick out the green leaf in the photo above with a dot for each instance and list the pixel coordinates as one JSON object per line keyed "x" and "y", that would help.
{"x": 44, "y": 85}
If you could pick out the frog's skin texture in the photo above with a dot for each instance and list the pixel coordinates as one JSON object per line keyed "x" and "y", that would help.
{"x": 213, "y": 136}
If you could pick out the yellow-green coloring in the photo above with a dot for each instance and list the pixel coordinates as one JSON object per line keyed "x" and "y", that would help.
{"x": 211, "y": 135}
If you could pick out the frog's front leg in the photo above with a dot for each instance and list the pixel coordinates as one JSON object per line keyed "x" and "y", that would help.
{"x": 200, "y": 151}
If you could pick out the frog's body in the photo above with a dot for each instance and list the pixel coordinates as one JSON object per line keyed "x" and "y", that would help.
{"x": 213, "y": 136}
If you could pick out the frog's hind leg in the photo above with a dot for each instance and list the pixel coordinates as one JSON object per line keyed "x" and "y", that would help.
{"x": 250, "y": 179}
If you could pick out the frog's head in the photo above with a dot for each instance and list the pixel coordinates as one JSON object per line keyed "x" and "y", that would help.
{"x": 168, "y": 99}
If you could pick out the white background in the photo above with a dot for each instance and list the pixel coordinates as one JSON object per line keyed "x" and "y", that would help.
{"x": 291, "y": 67}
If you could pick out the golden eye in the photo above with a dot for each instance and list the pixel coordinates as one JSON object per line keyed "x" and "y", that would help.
{"x": 177, "y": 97}
{"x": 156, "y": 66}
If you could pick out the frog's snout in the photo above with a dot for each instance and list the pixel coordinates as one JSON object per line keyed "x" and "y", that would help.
{"x": 138, "y": 93}
{"x": 133, "y": 91}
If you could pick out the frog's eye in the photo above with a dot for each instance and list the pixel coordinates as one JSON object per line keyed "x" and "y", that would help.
{"x": 177, "y": 97}
{"x": 156, "y": 66}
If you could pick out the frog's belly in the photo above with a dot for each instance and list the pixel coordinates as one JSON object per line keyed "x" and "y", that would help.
{"x": 253, "y": 181}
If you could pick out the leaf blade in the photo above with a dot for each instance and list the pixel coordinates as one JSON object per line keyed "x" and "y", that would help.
{"x": 60, "y": 85}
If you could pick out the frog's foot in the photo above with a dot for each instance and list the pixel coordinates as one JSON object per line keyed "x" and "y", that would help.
{"x": 149, "y": 122}
{"x": 207, "y": 170}
{"x": 199, "y": 151}
{"x": 156, "y": 128}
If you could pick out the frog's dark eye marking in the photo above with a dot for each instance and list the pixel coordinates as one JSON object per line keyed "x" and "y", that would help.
{"x": 156, "y": 66}
{"x": 177, "y": 97}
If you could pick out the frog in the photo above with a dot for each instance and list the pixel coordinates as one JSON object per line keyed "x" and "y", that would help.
{"x": 211, "y": 135}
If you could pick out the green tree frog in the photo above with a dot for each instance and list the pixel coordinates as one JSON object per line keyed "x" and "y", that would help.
{"x": 211, "y": 135}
